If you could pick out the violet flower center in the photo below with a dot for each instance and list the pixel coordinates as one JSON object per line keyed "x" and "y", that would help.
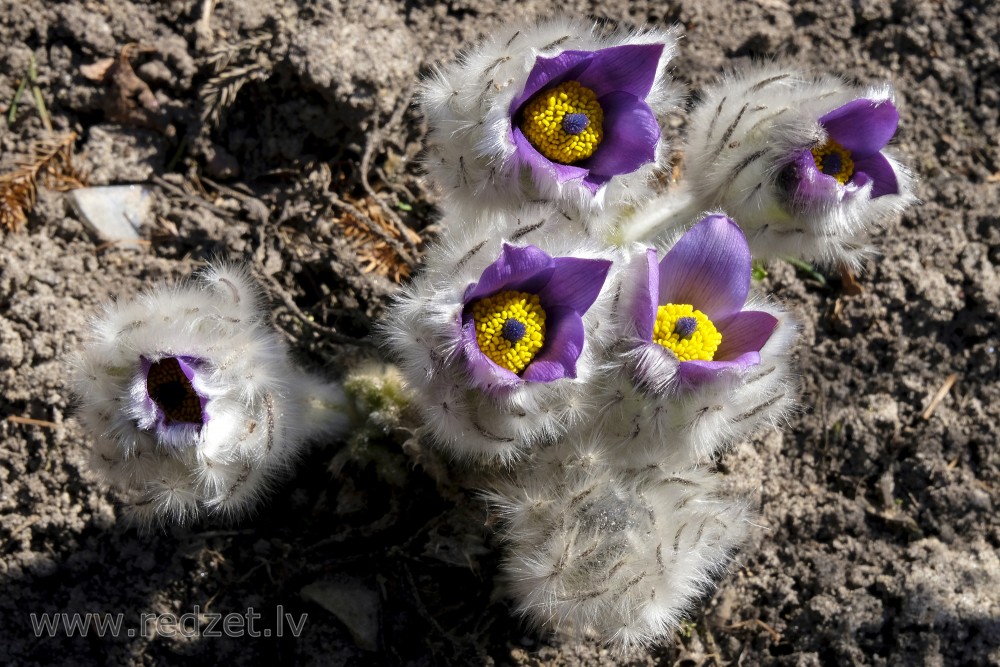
{"x": 685, "y": 327}
{"x": 575, "y": 123}
{"x": 834, "y": 160}
{"x": 172, "y": 391}
{"x": 832, "y": 163}
{"x": 513, "y": 330}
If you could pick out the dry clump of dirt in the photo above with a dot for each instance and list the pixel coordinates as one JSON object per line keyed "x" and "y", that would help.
{"x": 281, "y": 134}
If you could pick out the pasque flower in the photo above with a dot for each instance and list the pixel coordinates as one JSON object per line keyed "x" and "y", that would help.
{"x": 522, "y": 320}
{"x": 582, "y": 115}
{"x": 690, "y": 306}
{"x": 500, "y": 335}
{"x": 800, "y": 162}
{"x": 561, "y": 110}
{"x": 168, "y": 404}
{"x": 192, "y": 401}
{"x": 851, "y": 157}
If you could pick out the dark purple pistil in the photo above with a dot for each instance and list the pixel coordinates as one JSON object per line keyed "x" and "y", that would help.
{"x": 513, "y": 330}
{"x": 832, "y": 164}
{"x": 685, "y": 326}
{"x": 575, "y": 123}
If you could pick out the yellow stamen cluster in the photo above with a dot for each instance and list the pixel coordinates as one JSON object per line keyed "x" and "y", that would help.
{"x": 492, "y": 312}
{"x": 542, "y": 123}
{"x": 834, "y": 160}
{"x": 700, "y": 345}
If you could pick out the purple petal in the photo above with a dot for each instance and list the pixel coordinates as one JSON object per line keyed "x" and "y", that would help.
{"x": 694, "y": 373}
{"x": 552, "y": 71}
{"x": 630, "y": 136}
{"x": 708, "y": 268}
{"x": 563, "y": 345}
{"x": 186, "y": 366}
{"x": 858, "y": 181}
{"x": 525, "y": 268}
{"x": 646, "y": 277}
{"x": 629, "y": 69}
{"x": 561, "y": 173}
{"x": 482, "y": 370}
{"x": 878, "y": 169}
{"x": 575, "y": 283}
{"x": 744, "y": 332}
{"x": 862, "y": 126}
{"x": 594, "y": 182}
{"x": 190, "y": 367}
{"x": 812, "y": 184}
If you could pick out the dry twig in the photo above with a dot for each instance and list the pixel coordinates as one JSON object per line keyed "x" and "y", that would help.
{"x": 374, "y": 142}
{"x": 949, "y": 382}
{"x": 294, "y": 309}
{"x": 31, "y": 422}
{"x": 775, "y": 635}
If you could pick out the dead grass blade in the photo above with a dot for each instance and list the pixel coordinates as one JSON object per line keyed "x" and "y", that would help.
{"x": 233, "y": 66}
{"x": 51, "y": 165}
{"x": 939, "y": 395}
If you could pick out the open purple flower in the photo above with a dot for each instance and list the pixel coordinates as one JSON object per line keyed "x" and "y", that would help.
{"x": 583, "y": 114}
{"x": 690, "y": 306}
{"x": 171, "y": 405}
{"x": 851, "y": 157}
{"x": 522, "y": 321}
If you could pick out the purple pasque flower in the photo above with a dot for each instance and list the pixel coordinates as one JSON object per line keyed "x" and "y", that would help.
{"x": 583, "y": 114}
{"x": 170, "y": 403}
{"x": 522, "y": 321}
{"x": 690, "y": 306}
{"x": 851, "y": 157}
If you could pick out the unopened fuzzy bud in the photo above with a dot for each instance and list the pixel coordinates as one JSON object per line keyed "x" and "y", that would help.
{"x": 192, "y": 401}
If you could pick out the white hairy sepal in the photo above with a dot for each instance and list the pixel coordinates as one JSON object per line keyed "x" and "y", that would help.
{"x": 471, "y": 154}
{"x": 423, "y": 327}
{"x": 535, "y": 222}
{"x": 652, "y": 418}
{"x": 593, "y": 548}
{"x": 260, "y": 408}
{"x": 742, "y": 136}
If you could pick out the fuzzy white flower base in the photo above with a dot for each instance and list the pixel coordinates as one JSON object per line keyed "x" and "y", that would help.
{"x": 595, "y": 548}
{"x": 260, "y": 409}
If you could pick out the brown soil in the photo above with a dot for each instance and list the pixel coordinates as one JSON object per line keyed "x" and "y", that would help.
{"x": 879, "y": 529}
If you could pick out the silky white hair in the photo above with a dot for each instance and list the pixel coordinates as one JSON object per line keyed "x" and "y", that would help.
{"x": 612, "y": 520}
{"x": 595, "y": 547}
{"x": 422, "y": 332}
{"x": 741, "y": 136}
{"x": 259, "y": 408}
{"x": 470, "y": 149}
